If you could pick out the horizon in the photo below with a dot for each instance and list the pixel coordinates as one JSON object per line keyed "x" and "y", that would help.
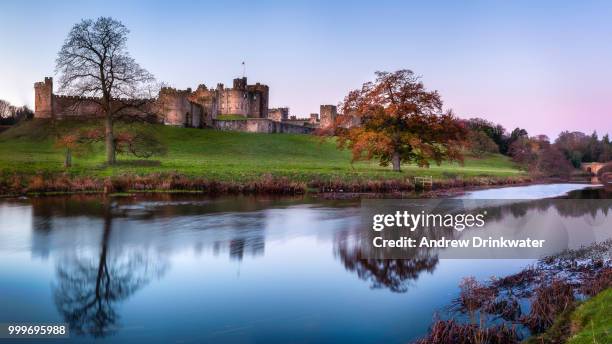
{"x": 517, "y": 64}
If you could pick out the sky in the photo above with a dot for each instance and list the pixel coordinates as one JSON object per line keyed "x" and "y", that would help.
{"x": 540, "y": 65}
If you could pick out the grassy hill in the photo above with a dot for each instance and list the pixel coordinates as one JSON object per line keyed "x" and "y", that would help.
{"x": 593, "y": 320}
{"x": 29, "y": 149}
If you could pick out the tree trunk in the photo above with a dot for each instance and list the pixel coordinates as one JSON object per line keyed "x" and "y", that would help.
{"x": 68, "y": 158}
{"x": 395, "y": 160}
{"x": 110, "y": 140}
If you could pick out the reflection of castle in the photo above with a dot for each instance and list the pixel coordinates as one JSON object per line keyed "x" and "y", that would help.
{"x": 241, "y": 108}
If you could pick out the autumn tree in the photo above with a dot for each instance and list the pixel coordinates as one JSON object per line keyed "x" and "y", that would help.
{"x": 496, "y": 132}
{"x": 524, "y": 151}
{"x": 552, "y": 163}
{"x": 573, "y": 145}
{"x": 480, "y": 143}
{"x": 94, "y": 62}
{"x": 68, "y": 143}
{"x": 401, "y": 121}
{"x": 541, "y": 158}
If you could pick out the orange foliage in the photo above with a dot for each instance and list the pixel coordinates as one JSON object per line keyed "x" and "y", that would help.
{"x": 400, "y": 122}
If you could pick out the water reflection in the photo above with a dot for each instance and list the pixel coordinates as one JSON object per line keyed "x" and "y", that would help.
{"x": 354, "y": 248}
{"x": 299, "y": 264}
{"x": 89, "y": 286}
{"x": 393, "y": 274}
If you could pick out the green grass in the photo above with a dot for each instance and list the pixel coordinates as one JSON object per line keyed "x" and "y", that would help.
{"x": 589, "y": 322}
{"x": 28, "y": 149}
{"x": 594, "y": 319}
{"x": 232, "y": 117}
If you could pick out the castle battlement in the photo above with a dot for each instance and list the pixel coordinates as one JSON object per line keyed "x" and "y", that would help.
{"x": 86, "y": 98}
{"x": 172, "y": 90}
{"x": 185, "y": 107}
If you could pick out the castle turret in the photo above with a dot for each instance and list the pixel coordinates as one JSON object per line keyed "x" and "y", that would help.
{"x": 314, "y": 118}
{"x": 258, "y": 100}
{"x": 175, "y": 106}
{"x": 328, "y": 115}
{"x": 43, "y": 98}
{"x": 240, "y": 83}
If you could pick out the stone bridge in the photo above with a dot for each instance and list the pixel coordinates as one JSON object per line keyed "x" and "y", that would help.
{"x": 593, "y": 167}
{"x": 601, "y": 171}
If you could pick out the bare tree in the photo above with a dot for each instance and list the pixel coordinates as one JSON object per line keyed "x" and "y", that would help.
{"x": 94, "y": 62}
{"x": 5, "y": 109}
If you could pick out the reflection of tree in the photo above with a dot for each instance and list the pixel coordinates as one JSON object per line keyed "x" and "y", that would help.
{"x": 359, "y": 256}
{"x": 89, "y": 288}
{"x": 249, "y": 244}
{"x": 394, "y": 274}
{"x": 569, "y": 208}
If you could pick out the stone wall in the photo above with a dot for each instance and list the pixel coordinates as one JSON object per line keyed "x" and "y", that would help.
{"x": 294, "y": 129}
{"x": 84, "y": 107}
{"x": 278, "y": 114}
{"x": 297, "y": 121}
{"x": 230, "y": 125}
{"x": 47, "y": 105}
{"x": 261, "y": 125}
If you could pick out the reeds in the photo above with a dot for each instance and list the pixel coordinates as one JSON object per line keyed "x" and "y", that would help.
{"x": 599, "y": 282}
{"x": 453, "y": 332}
{"x": 549, "y": 301}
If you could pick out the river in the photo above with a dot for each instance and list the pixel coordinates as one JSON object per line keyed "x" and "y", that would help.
{"x": 182, "y": 268}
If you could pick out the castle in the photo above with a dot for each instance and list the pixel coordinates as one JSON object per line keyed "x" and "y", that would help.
{"x": 240, "y": 108}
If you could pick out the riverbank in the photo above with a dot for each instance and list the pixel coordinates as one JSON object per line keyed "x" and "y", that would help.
{"x": 41, "y": 184}
{"x": 544, "y": 300}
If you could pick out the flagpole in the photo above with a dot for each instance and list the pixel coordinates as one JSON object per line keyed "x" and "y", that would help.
{"x": 243, "y": 69}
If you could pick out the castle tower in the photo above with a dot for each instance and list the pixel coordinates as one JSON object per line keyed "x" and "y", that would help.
{"x": 328, "y": 114}
{"x": 314, "y": 118}
{"x": 175, "y": 106}
{"x": 240, "y": 83}
{"x": 258, "y": 100}
{"x": 43, "y": 98}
